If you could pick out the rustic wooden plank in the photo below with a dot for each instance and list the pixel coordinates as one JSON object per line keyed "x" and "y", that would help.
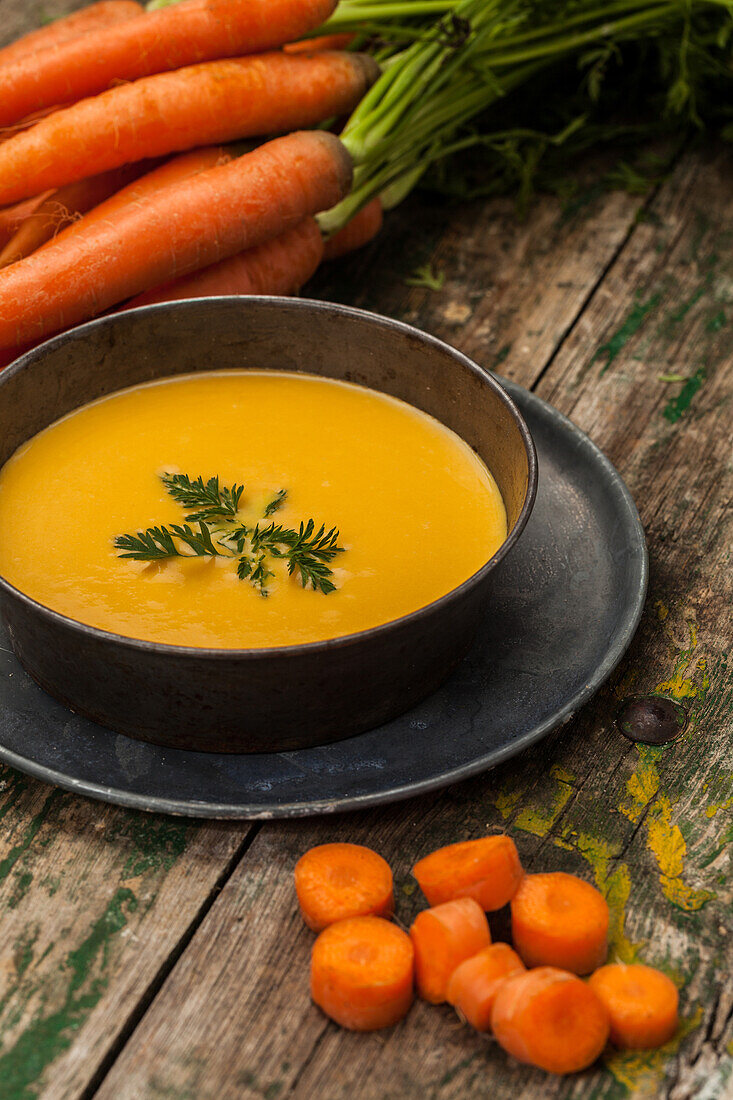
{"x": 650, "y": 826}
{"x": 94, "y": 901}
{"x": 512, "y": 287}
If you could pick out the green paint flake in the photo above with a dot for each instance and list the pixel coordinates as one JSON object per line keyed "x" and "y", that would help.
{"x": 156, "y": 844}
{"x": 46, "y": 1037}
{"x": 20, "y": 889}
{"x": 633, "y": 322}
{"x": 679, "y": 405}
{"x": 717, "y": 322}
{"x": 23, "y": 951}
{"x": 18, "y": 850}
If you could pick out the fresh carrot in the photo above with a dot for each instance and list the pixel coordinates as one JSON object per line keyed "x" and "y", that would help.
{"x": 320, "y": 42}
{"x": 551, "y": 1019}
{"x": 337, "y": 881}
{"x": 60, "y": 208}
{"x": 444, "y": 937}
{"x": 154, "y": 42}
{"x": 279, "y": 266}
{"x": 175, "y": 170}
{"x": 560, "y": 920}
{"x": 179, "y": 229}
{"x": 487, "y": 869}
{"x": 642, "y": 1003}
{"x": 474, "y": 985}
{"x": 105, "y": 13}
{"x": 215, "y": 102}
{"x": 12, "y": 217}
{"x": 362, "y": 973}
{"x": 357, "y": 232}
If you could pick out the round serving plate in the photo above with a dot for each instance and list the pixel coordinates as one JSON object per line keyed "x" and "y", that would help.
{"x": 563, "y": 610}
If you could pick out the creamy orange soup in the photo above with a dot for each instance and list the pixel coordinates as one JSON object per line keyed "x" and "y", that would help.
{"x": 416, "y": 510}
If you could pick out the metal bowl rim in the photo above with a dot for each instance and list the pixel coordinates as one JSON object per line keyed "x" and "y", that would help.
{"x": 344, "y": 640}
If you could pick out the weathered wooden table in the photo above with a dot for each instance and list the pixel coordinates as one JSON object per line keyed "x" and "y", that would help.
{"x": 155, "y": 957}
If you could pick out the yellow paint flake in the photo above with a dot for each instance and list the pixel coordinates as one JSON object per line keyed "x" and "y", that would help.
{"x": 615, "y": 885}
{"x": 643, "y": 1071}
{"x": 662, "y": 610}
{"x": 538, "y": 820}
{"x": 715, "y": 806}
{"x": 669, "y": 849}
{"x": 643, "y": 784}
{"x": 506, "y": 802}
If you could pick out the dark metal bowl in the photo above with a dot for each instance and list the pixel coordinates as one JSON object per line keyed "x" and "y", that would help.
{"x": 260, "y": 700}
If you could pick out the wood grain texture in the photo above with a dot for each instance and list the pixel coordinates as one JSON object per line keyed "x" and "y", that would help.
{"x": 152, "y": 957}
{"x": 94, "y": 903}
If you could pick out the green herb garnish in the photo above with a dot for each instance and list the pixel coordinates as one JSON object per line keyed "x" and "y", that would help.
{"x": 219, "y": 533}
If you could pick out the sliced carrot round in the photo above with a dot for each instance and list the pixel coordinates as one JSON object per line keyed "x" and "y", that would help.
{"x": 337, "y": 881}
{"x": 362, "y": 973}
{"x": 560, "y": 920}
{"x": 444, "y": 937}
{"x": 550, "y": 1019}
{"x": 642, "y": 1004}
{"x": 487, "y": 869}
{"x": 474, "y": 985}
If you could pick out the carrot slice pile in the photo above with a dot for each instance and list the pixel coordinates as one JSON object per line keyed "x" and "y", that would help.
{"x": 444, "y": 937}
{"x": 560, "y": 920}
{"x": 487, "y": 869}
{"x": 337, "y": 881}
{"x": 475, "y": 984}
{"x": 550, "y": 1019}
{"x": 641, "y": 1002}
{"x": 362, "y": 973}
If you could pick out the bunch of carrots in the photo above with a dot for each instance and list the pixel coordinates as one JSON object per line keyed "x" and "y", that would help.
{"x": 117, "y": 182}
{"x": 531, "y": 996}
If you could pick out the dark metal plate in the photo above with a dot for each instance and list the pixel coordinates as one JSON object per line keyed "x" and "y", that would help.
{"x": 566, "y": 604}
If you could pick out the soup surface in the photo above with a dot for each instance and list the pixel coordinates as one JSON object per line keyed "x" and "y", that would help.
{"x": 416, "y": 511}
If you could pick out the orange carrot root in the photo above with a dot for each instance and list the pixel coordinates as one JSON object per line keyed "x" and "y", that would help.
{"x": 211, "y": 103}
{"x": 362, "y": 973}
{"x": 12, "y": 217}
{"x": 550, "y": 1019}
{"x": 105, "y": 13}
{"x": 177, "y": 230}
{"x": 642, "y": 1004}
{"x": 357, "y": 232}
{"x": 161, "y": 41}
{"x": 321, "y": 42}
{"x": 443, "y": 938}
{"x": 60, "y": 208}
{"x": 560, "y": 920}
{"x": 487, "y": 869}
{"x": 474, "y": 985}
{"x": 280, "y": 266}
{"x": 338, "y": 881}
{"x": 175, "y": 170}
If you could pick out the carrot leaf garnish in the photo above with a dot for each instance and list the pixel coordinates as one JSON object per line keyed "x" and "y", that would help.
{"x": 219, "y": 532}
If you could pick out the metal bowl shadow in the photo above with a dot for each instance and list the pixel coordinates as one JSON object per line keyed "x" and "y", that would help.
{"x": 288, "y": 697}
